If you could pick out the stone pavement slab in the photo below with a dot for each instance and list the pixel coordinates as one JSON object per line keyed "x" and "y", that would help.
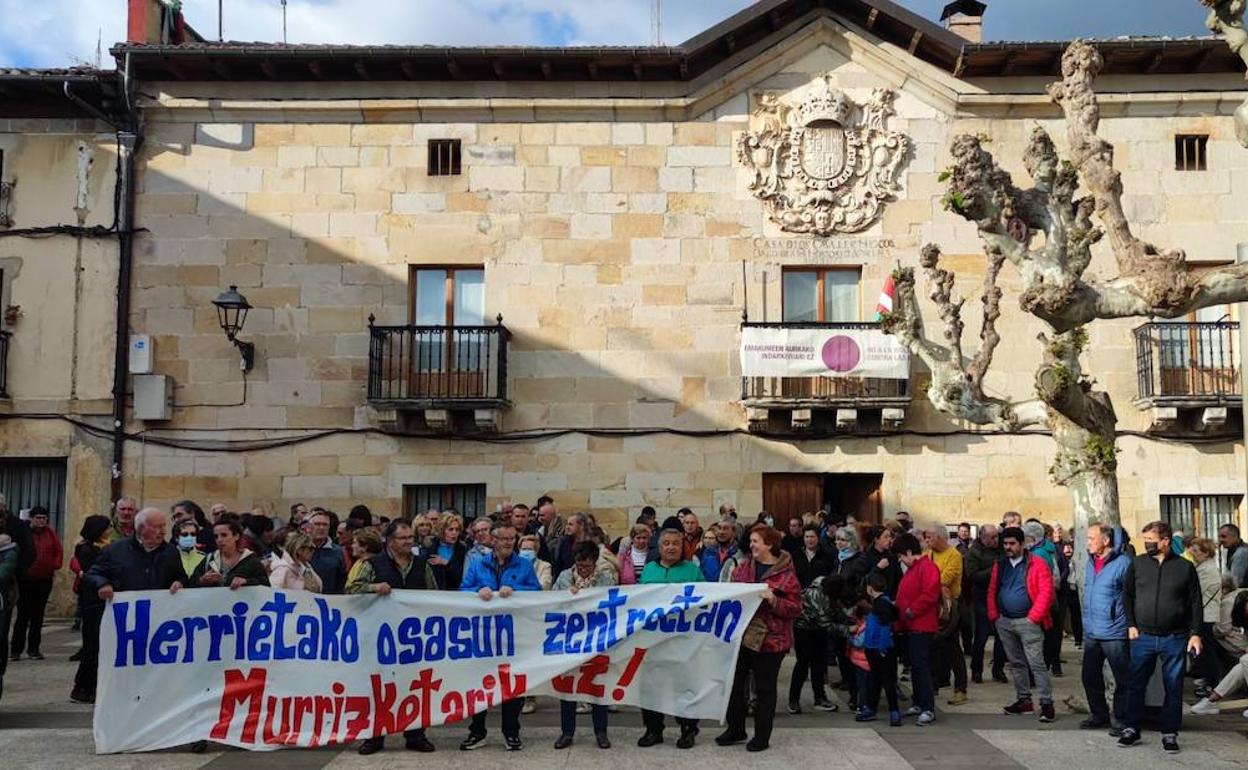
{"x": 1095, "y": 749}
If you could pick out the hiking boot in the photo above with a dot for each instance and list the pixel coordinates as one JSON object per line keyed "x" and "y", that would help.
{"x": 563, "y": 741}
{"x": 687, "y": 737}
{"x": 649, "y": 739}
{"x": 371, "y": 746}
{"x": 958, "y": 699}
{"x": 1020, "y": 706}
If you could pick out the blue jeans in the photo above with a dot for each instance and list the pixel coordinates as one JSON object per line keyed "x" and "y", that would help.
{"x": 920, "y": 648}
{"x": 567, "y": 718}
{"x": 1095, "y": 653}
{"x": 1145, "y": 652}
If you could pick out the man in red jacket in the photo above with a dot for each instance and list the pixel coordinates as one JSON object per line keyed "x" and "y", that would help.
{"x": 918, "y": 608}
{"x": 35, "y": 586}
{"x": 1020, "y": 597}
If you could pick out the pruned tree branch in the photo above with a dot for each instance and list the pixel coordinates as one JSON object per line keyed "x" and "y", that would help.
{"x": 1226, "y": 19}
{"x": 956, "y": 389}
{"x": 1151, "y": 282}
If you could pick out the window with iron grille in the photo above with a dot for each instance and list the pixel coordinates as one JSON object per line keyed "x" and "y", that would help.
{"x": 1191, "y": 152}
{"x": 444, "y": 157}
{"x": 467, "y": 499}
{"x": 1201, "y": 515}
{"x": 28, "y": 482}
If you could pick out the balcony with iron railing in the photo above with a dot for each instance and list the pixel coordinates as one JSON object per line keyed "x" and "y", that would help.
{"x": 1188, "y": 363}
{"x": 438, "y": 370}
{"x": 1188, "y": 375}
{"x": 852, "y": 373}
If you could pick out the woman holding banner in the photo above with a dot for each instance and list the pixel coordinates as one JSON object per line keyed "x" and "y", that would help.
{"x": 448, "y": 552}
{"x": 232, "y": 565}
{"x": 767, "y": 639}
{"x": 293, "y": 571}
{"x": 585, "y": 573}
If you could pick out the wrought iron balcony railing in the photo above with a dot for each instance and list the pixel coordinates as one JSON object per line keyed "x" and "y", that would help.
{"x": 1188, "y": 362}
{"x": 437, "y": 366}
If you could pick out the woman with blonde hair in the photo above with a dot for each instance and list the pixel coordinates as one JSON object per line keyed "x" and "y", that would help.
{"x": 448, "y": 552}
{"x": 294, "y": 570}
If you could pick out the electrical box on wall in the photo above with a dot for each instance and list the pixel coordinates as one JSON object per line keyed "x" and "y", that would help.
{"x": 141, "y": 354}
{"x": 153, "y": 396}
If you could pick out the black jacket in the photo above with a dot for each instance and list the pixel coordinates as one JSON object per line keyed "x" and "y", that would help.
{"x": 450, "y": 575}
{"x": 1162, "y": 599}
{"x": 127, "y": 566}
{"x": 419, "y": 577}
{"x": 892, "y": 572}
{"x": 19, "y": 531}
{"x": 854, "y": 569}
{"x": 809, "y": 569}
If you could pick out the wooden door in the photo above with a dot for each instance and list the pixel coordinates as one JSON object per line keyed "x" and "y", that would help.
{"x": 859, "y": 494}
{"x": 786, "y": 495}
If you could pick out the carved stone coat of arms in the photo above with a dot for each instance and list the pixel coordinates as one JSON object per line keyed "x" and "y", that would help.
{"x": 816, "y": 171}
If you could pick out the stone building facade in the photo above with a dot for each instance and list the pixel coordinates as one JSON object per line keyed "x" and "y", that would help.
{"x": 600, "y": 204}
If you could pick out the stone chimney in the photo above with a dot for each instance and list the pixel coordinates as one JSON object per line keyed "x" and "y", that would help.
{"x": 157, "y": 21}
{"x": 965, "y": 18}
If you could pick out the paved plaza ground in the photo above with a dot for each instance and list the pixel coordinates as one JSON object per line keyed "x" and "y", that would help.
{"x": 40, "y": 728}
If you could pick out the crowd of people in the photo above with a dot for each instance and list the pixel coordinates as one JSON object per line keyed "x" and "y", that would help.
{"x": 882, "y": 604}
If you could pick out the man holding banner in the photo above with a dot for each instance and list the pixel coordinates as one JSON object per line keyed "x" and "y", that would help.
{"x": 137, "y": 563}
{"x": 670, "y": 568}
{"x": 500, "y": 572}
{"x": 395, "y": 568}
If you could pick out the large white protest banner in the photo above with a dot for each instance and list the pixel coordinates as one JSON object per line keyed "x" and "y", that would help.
{"x": 261, "y": 668}
{"x": 822, "y": 351}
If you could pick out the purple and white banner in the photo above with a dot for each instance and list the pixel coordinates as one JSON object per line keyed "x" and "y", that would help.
{"x": 822, "y": 352}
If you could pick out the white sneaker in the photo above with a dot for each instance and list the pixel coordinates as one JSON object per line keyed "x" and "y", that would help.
{"x": 582, "y": 708}
{"x": 530, "y": 705}
{"x": 1204, "y": 706}
{"x": 1245, "y": 713}
{"x": 925, "y": 719}
{"x": 914, "y": 711}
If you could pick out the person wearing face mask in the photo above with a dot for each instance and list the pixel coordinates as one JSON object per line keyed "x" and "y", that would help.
{"x": 1161, "y": 596}
{"x": 529, "y": 546}
{"x": 188, "y": 562}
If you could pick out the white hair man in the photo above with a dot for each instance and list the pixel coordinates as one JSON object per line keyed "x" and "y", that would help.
{"x": 138, "y": 563}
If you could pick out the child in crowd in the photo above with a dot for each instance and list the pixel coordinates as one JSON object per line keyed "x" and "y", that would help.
{"x": 881, "y": 654}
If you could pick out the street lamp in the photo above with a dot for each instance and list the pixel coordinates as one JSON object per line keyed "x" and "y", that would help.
{"x": 232, "y": 310}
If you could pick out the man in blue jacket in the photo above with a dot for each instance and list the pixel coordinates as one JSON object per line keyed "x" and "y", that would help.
{"x": 500, "y": 572}
{"x": 1105, "y": 627}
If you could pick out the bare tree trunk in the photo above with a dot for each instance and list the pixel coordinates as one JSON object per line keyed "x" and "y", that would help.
{"x": 1226, "y": 19}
